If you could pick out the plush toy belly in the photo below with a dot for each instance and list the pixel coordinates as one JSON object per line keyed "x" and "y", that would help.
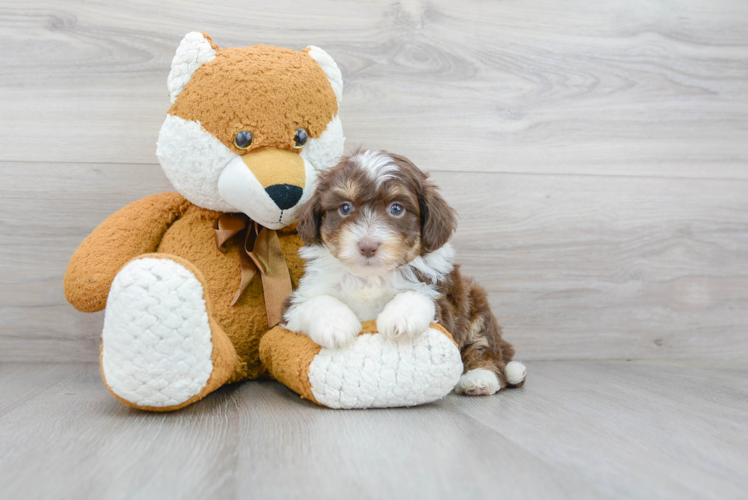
{"x": 192, "y": 238}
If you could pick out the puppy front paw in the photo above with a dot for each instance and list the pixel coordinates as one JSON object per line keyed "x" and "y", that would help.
{"x": 325, "y": 319}
{"x": 334, "y": 327}
{"x": 407, "y": 314}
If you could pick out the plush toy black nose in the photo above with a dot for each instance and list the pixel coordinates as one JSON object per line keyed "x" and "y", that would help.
{"x": 284, "y": 195}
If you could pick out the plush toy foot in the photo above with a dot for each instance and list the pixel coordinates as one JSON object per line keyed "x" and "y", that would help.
{"x": 160, "y": 350}
{"x": 370, "y": 372}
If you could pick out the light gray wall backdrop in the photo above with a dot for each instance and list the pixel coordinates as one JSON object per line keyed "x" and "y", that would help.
{"x": 597, "y": 152}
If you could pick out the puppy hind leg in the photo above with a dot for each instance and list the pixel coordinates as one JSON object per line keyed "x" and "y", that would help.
{"x": 479, "y": 382}
{"x": 485, "y": 355}
{"x": 514, "y": 371}
{"x": 489, "y": 380}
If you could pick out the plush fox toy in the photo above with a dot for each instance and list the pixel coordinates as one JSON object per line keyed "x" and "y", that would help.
{"x": 193, "y": 282}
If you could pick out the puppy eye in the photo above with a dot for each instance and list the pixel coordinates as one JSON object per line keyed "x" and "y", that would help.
{"x": 396, "y": 210}
{"x": 300, "y": 138}
{"x": 345, "y": 209}
{"x": 243, "y": 139}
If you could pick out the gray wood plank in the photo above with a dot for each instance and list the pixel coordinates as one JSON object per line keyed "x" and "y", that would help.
{"x": 636, "y": 430}
{"x": 257, "y": 440}
{"x": 420, "y": 453}
{"x": 75, "y": 441}
{"x": 543, "y": 87}
{"x": 576, "y": 430}
{"x": 22, "y": 382}
{"x": 576, "y": 266}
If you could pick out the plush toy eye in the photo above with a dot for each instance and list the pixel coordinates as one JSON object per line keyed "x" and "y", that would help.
{"x": 300, "y": 138}
{"x": 345, "y": 209}
{"x": 396, "y": 210}
{"x": 243, "y": 139}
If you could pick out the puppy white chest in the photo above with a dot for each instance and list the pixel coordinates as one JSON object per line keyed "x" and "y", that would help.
{"x": 364, "y": 299}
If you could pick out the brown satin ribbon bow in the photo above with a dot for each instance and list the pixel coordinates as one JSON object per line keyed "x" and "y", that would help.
{"x": 259, "y": 250}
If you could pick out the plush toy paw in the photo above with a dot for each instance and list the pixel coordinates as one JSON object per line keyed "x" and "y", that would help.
{"x": 157, "y": 343}
{"x": 478, "y": 382}
{"x": 370, "y": 372}
{"x": 408, "y": 314}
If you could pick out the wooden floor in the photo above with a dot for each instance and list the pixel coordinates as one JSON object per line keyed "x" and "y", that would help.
{"x": 577, "y": 430}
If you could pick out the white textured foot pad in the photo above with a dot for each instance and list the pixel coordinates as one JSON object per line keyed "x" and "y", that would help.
{"x": 157, "y": 341}
{"x": 375, "y": 372}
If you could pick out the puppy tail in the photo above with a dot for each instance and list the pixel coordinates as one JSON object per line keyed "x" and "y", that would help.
{"x": 515, "y": 374}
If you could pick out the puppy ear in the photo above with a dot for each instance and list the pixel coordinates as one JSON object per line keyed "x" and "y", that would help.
{"x": 310, "y": 220}
{"x": 438, "y": 219}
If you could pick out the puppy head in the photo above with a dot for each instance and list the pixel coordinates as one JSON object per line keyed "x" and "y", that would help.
{"x": 376, "y": 211}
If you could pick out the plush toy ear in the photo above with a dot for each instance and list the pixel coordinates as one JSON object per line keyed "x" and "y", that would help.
{"x": 438, "y": 219}
{"x": 310, "y": 220}
{"x": 330, "y": 68}
{"x": 194, "y": 50}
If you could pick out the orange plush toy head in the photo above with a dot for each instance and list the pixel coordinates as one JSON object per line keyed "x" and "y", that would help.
{"x": 248, "y": 127}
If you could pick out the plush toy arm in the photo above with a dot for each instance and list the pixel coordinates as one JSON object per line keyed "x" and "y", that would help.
{"x": 131, "y": 231}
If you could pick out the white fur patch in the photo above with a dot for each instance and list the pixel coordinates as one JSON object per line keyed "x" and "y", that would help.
{"x": 407, "y": 314}
{"x": 331, "y": 70}
{"x": 326, "y": 151}
{"x": 515, "y": 372}
{"x": 379, "y": 165}
{"x": 478, "y": 382}
{"x": 375, "y": 372}
{"x": 194, "y": 50}
{"x": 157, "y": 343}
{"x": 435, "y": 265}
{"x": 193, "y": 160}
{"x": 326, "y": 320}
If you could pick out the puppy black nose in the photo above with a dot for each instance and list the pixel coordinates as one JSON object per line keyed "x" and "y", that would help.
{"x": 368, "y": 248}
{"x": 284, "y": 195}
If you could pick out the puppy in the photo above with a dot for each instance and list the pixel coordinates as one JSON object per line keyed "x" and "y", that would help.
{"x": 376, "y": 232}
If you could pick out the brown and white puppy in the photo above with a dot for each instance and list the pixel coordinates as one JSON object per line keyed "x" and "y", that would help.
{"x": 376, "y": 232}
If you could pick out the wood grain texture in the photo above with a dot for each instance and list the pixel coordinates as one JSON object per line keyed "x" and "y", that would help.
{"x": 655, "y": 89}
{"x": 577, "y": 267}
{"x": 576, "y": 430}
